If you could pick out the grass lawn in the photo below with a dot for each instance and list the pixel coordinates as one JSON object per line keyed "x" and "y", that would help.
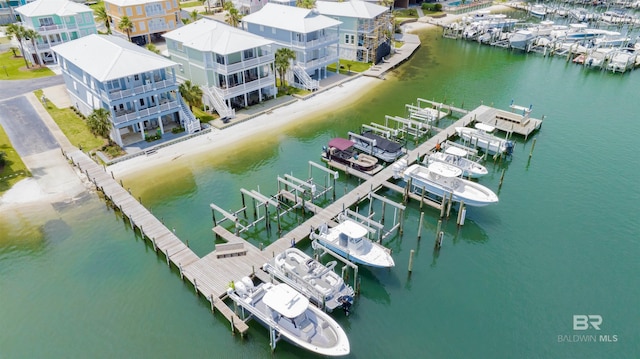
{"x": 406, "y": 13}
{"x": 203, "y": 116}
{"x": 4, "y": 40}
{"x": 346, "y": 70}
{"x": 14, "y": 169}
{"x": 74, "y": 127}
{"x": 190, "y": 4}
{"x": 13, "y": 68}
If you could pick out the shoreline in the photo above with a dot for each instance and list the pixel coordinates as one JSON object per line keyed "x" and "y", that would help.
{"x": 68, "y": 185}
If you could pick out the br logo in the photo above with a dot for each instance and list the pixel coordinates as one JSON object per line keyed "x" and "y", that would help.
{"x": 583, "y": 322}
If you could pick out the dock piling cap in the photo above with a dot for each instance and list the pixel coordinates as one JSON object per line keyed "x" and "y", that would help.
{"x": 484, "y": 127}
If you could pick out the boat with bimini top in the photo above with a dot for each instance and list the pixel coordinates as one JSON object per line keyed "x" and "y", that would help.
{"x": 459, "y": 158}
{"x": 377, "y": 146}
{"x": 342, "y": 151}
{"x": 324, "y": 287}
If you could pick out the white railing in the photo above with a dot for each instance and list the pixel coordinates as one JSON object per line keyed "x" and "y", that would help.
{"x": 153, "y": 112}
{"x": 242, "y": 65}
{"x": 214, "y": 98}
{"x": 317, "y": 42}
{"x": 240, "y": 89}
{"x": 191, "y": 123}
{"x": 305, "y": 80}
{"x": 51, "y": 28}
{"x": 117, "y": 95}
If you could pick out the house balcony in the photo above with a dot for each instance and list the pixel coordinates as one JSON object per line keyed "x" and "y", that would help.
{"x": 242, "y": 65}
{"x": 322, "y": 41}
{"x": 231, "y": 92}
{"x": 152, "y": 112}
{"x": 323, "y": 61}
{"x": 120, "y": 94}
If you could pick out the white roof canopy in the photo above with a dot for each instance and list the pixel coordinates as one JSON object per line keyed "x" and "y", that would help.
{"x": 52, "y": 7}
{"x": 290, "y": 18}
{"x": 286, "y": 301}
{"x": 110, "y": 57}
{"x": 354, "y": 8}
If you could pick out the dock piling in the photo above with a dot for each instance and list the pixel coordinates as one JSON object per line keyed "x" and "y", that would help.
{"x": 411, "y": 261}
{"x": 533, "y": 145}
{"x": 420, "y": 225}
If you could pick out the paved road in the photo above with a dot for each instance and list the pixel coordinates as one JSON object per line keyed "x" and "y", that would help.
{"x": 26, "y": 130}
{"x": 13, "y": 88}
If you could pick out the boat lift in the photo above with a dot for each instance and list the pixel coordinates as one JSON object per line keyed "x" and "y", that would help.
{"x": 406, "y": 126}
{"x": 379, "y": 129}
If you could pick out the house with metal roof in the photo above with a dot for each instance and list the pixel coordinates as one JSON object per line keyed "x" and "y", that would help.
{"x": 150, "y": 18}
{"x": 234, "y": 68}
{"x": 56, "y": 21}
{"x": 366, "y": 30}
{"x": 312, "y": 37}
{"x": 138, "y": 87}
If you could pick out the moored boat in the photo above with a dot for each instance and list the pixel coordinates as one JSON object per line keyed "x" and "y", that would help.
{"x": 459, "y": 158}
{"x": 317, "y": 281}
{"x": 349, "y": 240}
{"x": 342, "y": 151}
{"x": 377, "y": 146}
{"x": 443, "y": 179}
{"x": 287, "y": 312}
{"x": 521, "y": 39}
{"x": 481, "y": 136}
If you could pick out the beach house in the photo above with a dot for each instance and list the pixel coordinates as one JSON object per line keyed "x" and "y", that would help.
{"x": 138, "y": 87}
{"x": 56, "y": 21}
{"x": 312, "y": 37}
{"x": 366, "y": 30}
{"x": 150, "y": 18}
{"x": 233, "y": 67}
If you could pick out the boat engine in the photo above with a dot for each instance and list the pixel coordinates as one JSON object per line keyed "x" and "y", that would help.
{"x": 509, "y": 147}
{"x": 398, "y": 167}
{"x": 346, "y": 301}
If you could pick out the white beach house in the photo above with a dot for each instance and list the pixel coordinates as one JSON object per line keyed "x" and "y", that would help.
{"x": 366, "y": 30}
{"x": 137, "y": 86}
{"x": 312, "y": 37}
{"x": 233, "y": 67}
{"x": 56, "y": 21}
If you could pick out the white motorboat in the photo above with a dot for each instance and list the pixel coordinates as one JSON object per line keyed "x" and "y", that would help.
{"x": 459, "y": 158}
{"x": 622, "y": 60}
{"x": 287, "y": 312}
{"x": 377, "y": 146}
{"x": 577, "y": 32}
{"x": 597, "y": 57}
{"x": 481, "y": 136}
{"x": 538, "y": 10}
{"x": 317, "y": 281}
{"x": 521, "y": 39}
{"x": 442, "y": 179}
{"x": 349, "y": 240}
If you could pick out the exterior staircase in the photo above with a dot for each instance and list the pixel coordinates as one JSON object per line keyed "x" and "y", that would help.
{"x": 214, "y": 99}
{"x": 305, "y": 80}
{"x": 191, "y": 123}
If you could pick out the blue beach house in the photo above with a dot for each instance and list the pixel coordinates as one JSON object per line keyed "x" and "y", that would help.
{"x": 57, "y": 21}
{"x": 312, "y": 37}
{"x": 366, "y": 30}
{"x": 233, "y": 67}
{"x": 138, "y": 87}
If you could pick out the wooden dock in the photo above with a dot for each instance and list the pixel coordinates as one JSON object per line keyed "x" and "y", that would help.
{"x": 211, "y": 274}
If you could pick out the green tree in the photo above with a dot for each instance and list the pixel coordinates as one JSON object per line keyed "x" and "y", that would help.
{"x": 18, "y": 31}
{"x": 233, "y": 15}
{"x": 193, "y": 15}
{"x": 99, "y": 123}
{"x": 14, "y": 51}
{"x": 283, "y": 61}
{"x": 126, "y": 25}
{"x": 191, "y": 93}
{"x": 102, "y": 16}
{"x": 32, "y": 35}
{"x": 3, "y": 159}
{"x": 306, "y": 4}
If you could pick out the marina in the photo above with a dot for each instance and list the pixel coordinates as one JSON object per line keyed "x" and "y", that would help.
{"x": 98, "y": 276}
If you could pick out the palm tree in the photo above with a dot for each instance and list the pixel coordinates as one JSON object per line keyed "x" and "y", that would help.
{"x": 33, "y": 35}
{"x": 233, "y": 15}
{"x": 283, "y": 61}
{"x": 193, "y": 15}
{"x": 102, "y": 16}
{"x": 191, "y": 93}
{"x": 99, "y": 123}
{"x": 18, "y": 31}
{"x": 126, "y": 25}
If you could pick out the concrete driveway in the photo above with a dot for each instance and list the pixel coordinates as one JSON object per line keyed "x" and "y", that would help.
{"x": 26, "y": 130}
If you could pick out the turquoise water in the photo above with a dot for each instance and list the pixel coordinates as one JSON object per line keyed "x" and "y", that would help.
{"x": 562, "y": 241}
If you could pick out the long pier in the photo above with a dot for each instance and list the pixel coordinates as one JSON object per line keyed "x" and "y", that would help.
{"x": 211, "y": 274}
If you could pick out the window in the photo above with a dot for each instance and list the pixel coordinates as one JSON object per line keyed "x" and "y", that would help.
{"x": 139, "y": 10}
{"x": 273, "y": 30}
{"x": 168, "y": 5}
{"x": 346, "y": 38}
{"x": 249, "y": 54}
{"x": 142, "y": 27}
{"x": 261, "y": 28}
{"x": 141, "y": 102}
{"x": 136, "y": 77}
{"x": 47, "y": 21}
{"x": 129, "y": 12}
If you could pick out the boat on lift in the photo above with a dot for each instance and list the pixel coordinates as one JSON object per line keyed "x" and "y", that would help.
{"x": 377, "y": 146}
{"x": 460, "y": 158}
{"x": 442, "y": 180}
{"x": 324, "y": 287}
{"x": 342, "y": 151}
{"x": 481, "y": 136}
{"x": 349, "y": 240}
{"x": 288, "y": 313}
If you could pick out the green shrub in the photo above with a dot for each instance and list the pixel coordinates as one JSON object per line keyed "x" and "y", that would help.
{"x": 177, "y": 130}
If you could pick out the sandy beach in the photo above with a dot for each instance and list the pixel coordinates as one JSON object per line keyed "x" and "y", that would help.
{"x": 65, "y": 185}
